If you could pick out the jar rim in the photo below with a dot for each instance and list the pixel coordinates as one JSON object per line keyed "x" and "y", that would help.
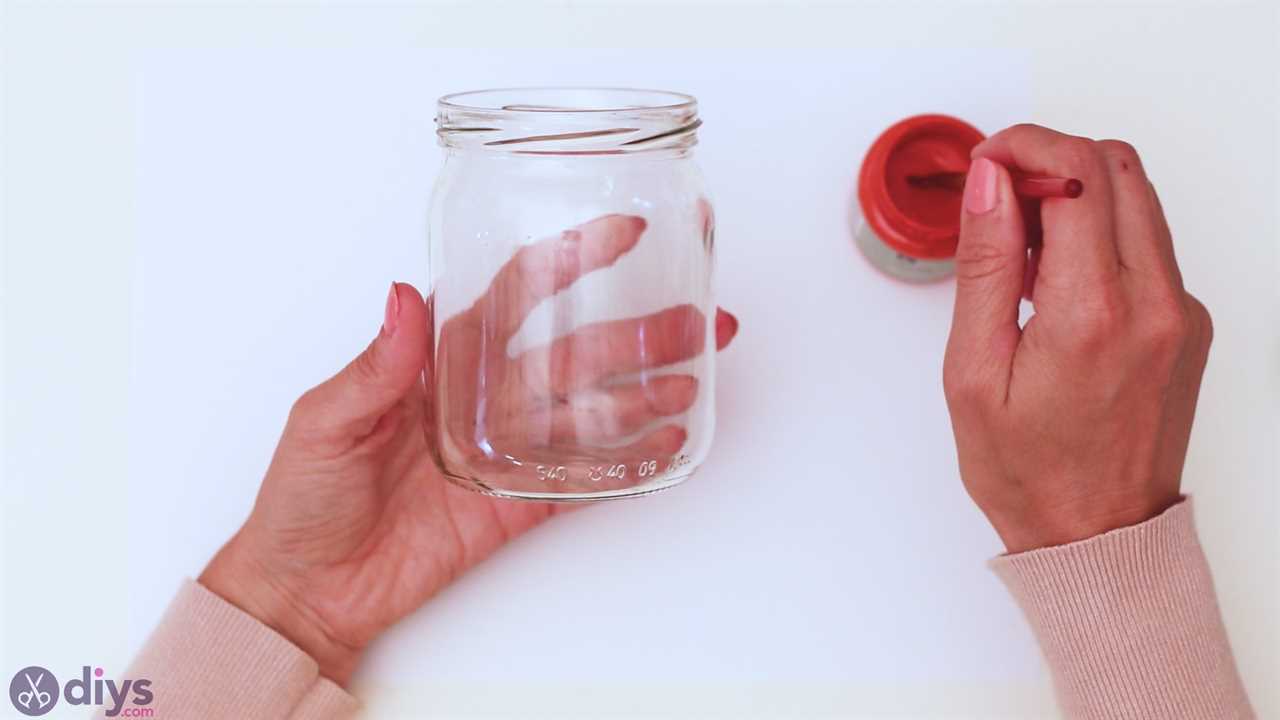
{"x": 659, "y": 100}
{"x": 569, "y": 121}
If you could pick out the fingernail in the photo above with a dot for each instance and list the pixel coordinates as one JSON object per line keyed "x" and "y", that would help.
{"x": 726, "y": 327}
{"x": 392, "y": 312}
{"x": 980, "y": 189}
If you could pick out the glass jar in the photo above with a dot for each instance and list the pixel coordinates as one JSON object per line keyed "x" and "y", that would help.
{"x": 571, "y": 258}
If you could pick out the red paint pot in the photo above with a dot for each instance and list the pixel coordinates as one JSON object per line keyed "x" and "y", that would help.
{"x": 909, "y": 231}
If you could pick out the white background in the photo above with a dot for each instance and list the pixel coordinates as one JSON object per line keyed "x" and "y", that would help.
{"x": 202, "y": 207}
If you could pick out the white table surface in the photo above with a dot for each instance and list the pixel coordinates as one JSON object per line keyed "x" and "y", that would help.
{"x": 202, "y": 208}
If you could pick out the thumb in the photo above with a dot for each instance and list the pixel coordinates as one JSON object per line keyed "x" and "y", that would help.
{"x": 350, "y": 403}
{"x": 991, "y": 260}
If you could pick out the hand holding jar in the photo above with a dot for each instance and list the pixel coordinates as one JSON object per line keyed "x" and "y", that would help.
{"x": 564, "y": 357}
{"x": 355, "y": 526}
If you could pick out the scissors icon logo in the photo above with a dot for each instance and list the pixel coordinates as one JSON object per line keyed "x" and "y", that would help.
{"x": 34, "y": 691}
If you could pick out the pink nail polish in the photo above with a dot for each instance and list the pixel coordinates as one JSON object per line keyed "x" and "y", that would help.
{"x": 980, "y": 189}
{"x": 392, "y": 311}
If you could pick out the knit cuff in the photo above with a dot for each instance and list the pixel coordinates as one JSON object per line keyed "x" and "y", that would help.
{"x": 209, "y": 659}
{"x": 1129, "y": 622}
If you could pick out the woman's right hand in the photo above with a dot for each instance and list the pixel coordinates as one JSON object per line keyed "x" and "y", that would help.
{"x": 1077, "y": 423}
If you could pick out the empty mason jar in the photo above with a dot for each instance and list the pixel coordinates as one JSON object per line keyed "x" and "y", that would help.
{"x": 571, "y": 262}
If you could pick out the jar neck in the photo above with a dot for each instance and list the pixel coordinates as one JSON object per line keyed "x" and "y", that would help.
{"x": 569, "y": 122}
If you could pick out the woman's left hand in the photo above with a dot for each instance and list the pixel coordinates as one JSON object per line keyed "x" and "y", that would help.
{"x": 354, "y": 527}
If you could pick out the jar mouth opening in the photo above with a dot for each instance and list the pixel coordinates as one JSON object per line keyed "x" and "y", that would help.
{"x": 569, "y": 121}
{"x": 566, "y": 100}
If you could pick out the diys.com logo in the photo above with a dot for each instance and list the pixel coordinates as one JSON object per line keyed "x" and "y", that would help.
{"x": 34, "y": 691}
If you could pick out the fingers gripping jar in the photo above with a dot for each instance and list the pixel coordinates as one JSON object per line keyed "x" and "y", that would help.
{"x": 571, "y": 258}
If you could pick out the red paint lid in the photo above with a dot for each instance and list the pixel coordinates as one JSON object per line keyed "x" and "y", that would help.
{"x": 919, "y": 222}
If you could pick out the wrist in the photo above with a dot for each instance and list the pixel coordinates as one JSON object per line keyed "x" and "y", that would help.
{"x": 1033, "y": 528}
{"x": 236, "y": 575}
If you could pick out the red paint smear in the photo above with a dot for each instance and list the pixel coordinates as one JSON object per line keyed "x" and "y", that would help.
{"x": 927, "y": 155}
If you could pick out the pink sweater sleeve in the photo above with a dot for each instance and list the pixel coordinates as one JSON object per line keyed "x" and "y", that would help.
{"x": 1129, "y": 623}
{"x": 209, "y": 659}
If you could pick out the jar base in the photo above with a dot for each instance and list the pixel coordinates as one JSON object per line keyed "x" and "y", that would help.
{"x": 477, "y": 485}
{"x": 896, "y": 265}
